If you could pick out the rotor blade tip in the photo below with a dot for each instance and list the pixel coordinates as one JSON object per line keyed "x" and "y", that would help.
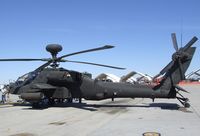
{"x": 109, "y": 46}
{"x": 195, "y": 38}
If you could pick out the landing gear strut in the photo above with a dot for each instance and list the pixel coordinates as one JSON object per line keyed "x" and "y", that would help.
{"x": 184, "y": 101}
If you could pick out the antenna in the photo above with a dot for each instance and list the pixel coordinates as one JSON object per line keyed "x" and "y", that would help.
{"x": 181, "y": 32}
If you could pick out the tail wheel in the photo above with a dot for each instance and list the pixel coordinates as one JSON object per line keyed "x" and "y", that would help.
{"x": 187, "y": 105}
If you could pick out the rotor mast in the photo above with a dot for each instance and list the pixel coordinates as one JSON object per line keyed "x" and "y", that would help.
{"x": 54, "y": 49}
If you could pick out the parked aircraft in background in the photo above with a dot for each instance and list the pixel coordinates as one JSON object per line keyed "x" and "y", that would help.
{"x": 133, "y": 77}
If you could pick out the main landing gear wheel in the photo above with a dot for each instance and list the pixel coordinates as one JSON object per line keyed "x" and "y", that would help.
{"x": 51, "y": 102}
{"x": 36, "y": 105}
{"x": 40, "y": 104}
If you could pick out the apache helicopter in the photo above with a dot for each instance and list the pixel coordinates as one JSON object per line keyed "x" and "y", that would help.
{"x": 47, "y": 84}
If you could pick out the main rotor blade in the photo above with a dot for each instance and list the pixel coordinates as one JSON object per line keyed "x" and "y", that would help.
{"x": 85, "y": 51}
{"x": 101, "y": 65}
{"x": 165, "y": 69}
{"x": 23, "y": 59}
{"x": 196, "y": 73}
{"x": 190, "y": 43}
{"x": 174, "y": 40}
{"x": 197, "y": 70}
{"x": 43, "y": 66}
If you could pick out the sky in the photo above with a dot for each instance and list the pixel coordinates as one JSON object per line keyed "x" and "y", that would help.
{"x": 140, "y": 30}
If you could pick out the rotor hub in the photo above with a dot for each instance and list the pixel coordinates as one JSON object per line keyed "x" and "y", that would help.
{"x": 176, "y": 56}
{"x": 179, "y": 55}
{"x": 54, "y": 48}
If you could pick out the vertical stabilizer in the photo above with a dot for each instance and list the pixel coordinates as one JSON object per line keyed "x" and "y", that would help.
{"x": 175, "y": 71}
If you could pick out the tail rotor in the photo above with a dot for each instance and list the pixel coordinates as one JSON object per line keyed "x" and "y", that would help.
{"x": 178, "y": 57}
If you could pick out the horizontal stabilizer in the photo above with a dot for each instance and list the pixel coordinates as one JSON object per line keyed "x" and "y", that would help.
{"x": 180, "y": 88}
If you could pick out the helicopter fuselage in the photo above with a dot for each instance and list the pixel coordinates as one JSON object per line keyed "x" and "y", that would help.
{"x": 64, "y": 84}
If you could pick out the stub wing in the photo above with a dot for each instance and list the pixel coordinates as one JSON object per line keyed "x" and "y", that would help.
{"x": 43, "y": 86}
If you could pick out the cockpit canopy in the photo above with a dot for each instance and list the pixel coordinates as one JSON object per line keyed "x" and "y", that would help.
{"x": 26, "y": 78}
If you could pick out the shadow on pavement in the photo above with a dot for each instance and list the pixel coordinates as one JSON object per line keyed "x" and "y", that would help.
{"x": 96, "y": 107}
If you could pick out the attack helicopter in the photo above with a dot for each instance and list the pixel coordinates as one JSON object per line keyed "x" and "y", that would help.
{"x": 46, "y": 84}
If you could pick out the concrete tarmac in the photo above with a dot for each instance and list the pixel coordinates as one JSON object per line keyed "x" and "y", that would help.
{"x": 123, "y": 117}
